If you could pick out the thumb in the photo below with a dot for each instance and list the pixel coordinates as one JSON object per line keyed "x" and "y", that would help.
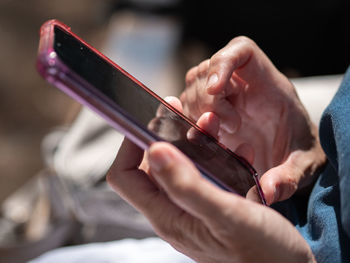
{"x": 183, "y": 183}
{"x": 280, "y": 183}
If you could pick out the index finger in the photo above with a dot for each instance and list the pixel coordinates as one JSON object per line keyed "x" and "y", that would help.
{"x": 223, "y": 63}
{"x": 126, "y": 178}
{"x": 239, "y": 53}
{"x": 136, "y": 187}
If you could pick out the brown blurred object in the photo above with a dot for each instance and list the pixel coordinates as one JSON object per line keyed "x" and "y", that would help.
{"x": 29, "y": 107}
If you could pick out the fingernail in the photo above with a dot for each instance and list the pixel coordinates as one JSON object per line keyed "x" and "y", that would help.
{"x": 213, "y": 79}
{"x": 159, "y": 160}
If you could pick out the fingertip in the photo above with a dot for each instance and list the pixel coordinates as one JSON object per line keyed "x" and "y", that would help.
{"x": 175, "y": 102}
{"x": 209, "y": 122}
{"x": 279, "y": 183}
{"x": 269, "y": 189}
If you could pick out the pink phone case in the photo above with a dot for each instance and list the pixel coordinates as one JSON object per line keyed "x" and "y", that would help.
{"x": 62, "y": 77}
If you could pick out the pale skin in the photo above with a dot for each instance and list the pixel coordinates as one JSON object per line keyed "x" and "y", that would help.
{"x": 199, "y": 219}
{"x": 260, "y": 116}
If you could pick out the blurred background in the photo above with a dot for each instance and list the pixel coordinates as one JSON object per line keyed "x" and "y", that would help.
{"x": 302, "y": 38}
{"x": 29, "y": 108}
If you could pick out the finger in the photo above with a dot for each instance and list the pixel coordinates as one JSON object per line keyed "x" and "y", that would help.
{"x": 242, "y": 57}
{"x": 253, "y": 195}
{"x": 194, "y": 96}
{"x": 298, "y": 171}
{"x": 163, "y": 111}
{"x": 183, "y": 183}
{"x": 135, "y": 186}
{"x": 226, "y": 61}
{"x": 279, "y": 183}
{"x": 230, "y": 120}
{"x": 129, "y": 157}
{"x": 191, "y": 76}
{"x": 209, "y": 122}
{"x": 175, "y": 102}
{"x": 202, "y": 69}
{"x": 189, "y": 101}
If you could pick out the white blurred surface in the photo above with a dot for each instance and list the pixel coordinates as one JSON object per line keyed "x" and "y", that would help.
{"x": 316, "y": 93}
{"x": 150, "y": 250}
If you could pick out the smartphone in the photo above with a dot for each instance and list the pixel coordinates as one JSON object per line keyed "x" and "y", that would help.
{"x": 70, "y": 64}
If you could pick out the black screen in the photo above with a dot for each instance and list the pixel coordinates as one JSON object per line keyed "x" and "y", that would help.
{"x": 147, "y": 111}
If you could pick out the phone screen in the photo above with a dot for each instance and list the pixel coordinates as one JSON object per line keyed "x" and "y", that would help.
{"x": 153, "y": 115}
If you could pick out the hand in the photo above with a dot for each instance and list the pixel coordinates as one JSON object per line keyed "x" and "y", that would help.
{"x": 261, "y": 116}
{"x": 196, "y": 217}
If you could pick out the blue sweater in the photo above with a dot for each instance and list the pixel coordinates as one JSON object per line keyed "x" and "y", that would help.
{"x": 323, "y": 218}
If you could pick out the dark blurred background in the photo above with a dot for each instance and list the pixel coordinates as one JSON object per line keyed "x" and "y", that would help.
{"x": 302, "y": 38}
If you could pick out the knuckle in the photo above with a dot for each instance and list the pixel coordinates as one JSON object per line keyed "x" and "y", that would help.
{"x": 243, "y": 40}
{"x": 109, "y": 178}
{"x": 293, "y": 184}
{"x": 219, "y": 56}
{"x": 203, "y": 68}
{"x": 112, "y": 178}
{"x": 289, "y": 187}
{"x": 191, "y": 75}
{"x": 237, "y": 44}
{"x": 111, "y": 175}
